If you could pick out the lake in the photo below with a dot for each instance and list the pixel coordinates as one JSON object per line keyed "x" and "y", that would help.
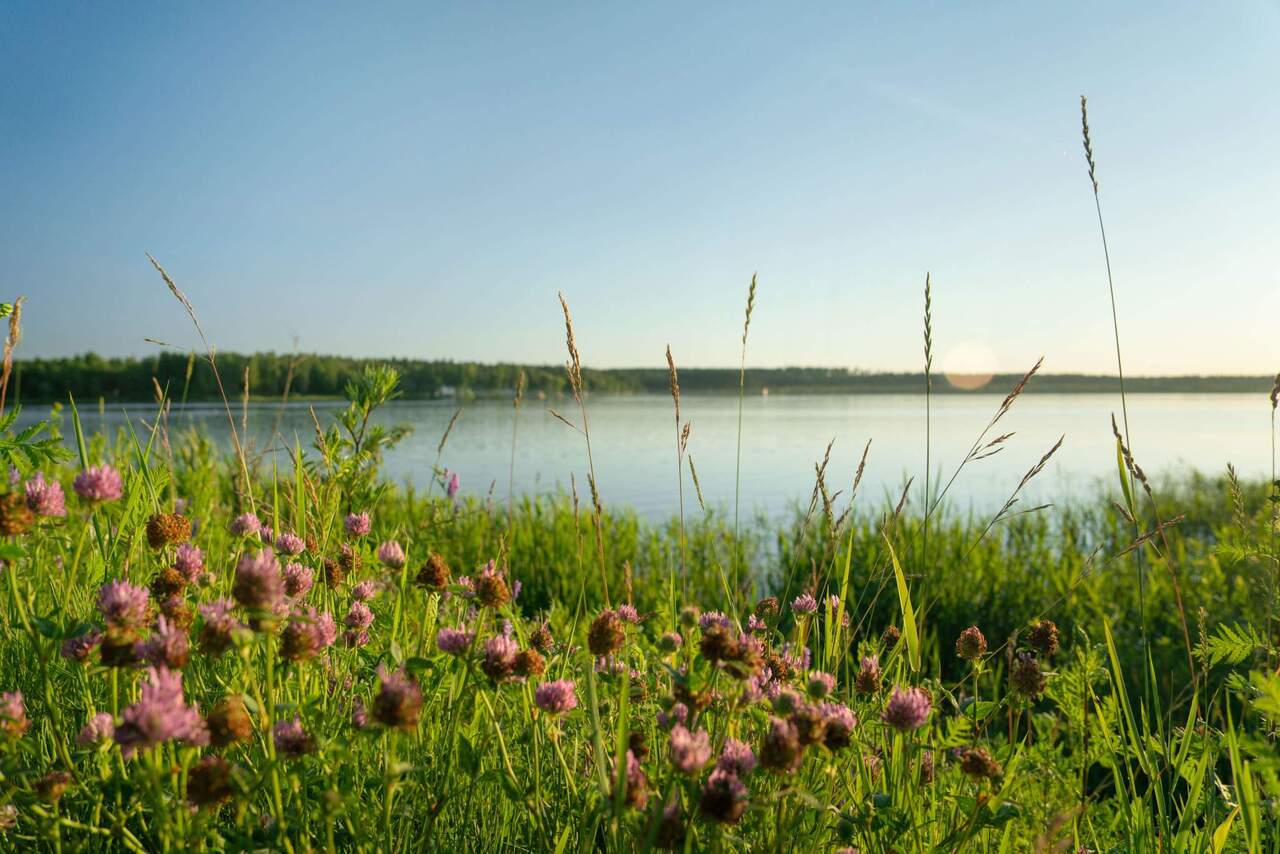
{"x": 783, "y": 436}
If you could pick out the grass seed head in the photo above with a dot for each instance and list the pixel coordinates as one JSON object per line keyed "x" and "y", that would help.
{"x": 971, "y": 645}
{"x": 606, "y": 634}
{"x": 209, "y": 782}
{"x": 167, "y": 529}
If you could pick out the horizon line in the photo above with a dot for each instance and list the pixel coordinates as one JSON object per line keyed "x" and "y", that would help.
{"x": 850, "y": 369}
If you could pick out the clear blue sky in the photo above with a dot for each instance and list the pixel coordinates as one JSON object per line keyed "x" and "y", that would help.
{"x": 420, "y": 180}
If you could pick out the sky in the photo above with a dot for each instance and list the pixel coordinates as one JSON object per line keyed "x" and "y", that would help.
{"x": 421, "y": 180}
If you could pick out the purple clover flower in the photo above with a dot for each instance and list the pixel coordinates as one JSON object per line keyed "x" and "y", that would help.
{"x": 189, "y": 561}
{"x": 290, "y": 543}
{"x": 357, "y": 524}
{"x": 399, "y": 699}
{"x": 79, "y": 647}
{"x": 219, "y": 625}
{"x": 799, "y": 659}
{"x": 821, "y": 684}
{"x": 100, "y": 728}
{"x": 391, "y": 554}
{"x": 714, "y": 618}
{"x": 555, "y": 698}
{"x": 291, "y": 740}
{"x": 838, "y": 724}
{"x": 834, "y": 602}
{"x": 364, "y": 591}
{"x": 13, "y": 714}
{"x": 99, "y": 483}
{"x": 736, "y": 758}
{"x": 310, "y": 631}
{"x": 804, "y": 604}
{"x": 168, "y": 646}
{"x": 499, "y": 657}
{"x": 757, "y": 687}
{"x": 674, "y": 716}
{"x": 907, "y": 709}
{"x": 45, "y": 497}
{"x": 359, "y": 616}
{"x": 724, "y": 797}
{"x": 690, "y": 751}
{"x": 161, "y": 714}
{"x": 454, "y": 641}
{"x": 298, "y": 579}
{"x": 259, "y": 584}
{"x": 246, "y": 525}
{"x": 787, "y": 701}
{"x": 123, "y": 604}
{"x": 326, "y": 629}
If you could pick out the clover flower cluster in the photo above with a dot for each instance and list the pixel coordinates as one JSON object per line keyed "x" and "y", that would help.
{"x": 745, "y": 702}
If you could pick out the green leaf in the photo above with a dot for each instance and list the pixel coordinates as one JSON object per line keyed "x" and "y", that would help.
{"x": 1267, "y": 698}
{"x": 1124, "y": 477}
{"x": 977, "y": 710}
{"x": 468, "y": 759}
{"x": 909, "y": 631}
{"x": 1233, "y": 644}
{"x": 75, "y": 422}
{"x": 47, "y": 627}
{"x": 1224, "y": 830}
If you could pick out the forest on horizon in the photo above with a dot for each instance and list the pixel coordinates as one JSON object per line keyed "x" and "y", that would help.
{"x": 273, "y": 375}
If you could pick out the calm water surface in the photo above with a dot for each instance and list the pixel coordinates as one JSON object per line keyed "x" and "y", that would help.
{"x": 783, "y": 437}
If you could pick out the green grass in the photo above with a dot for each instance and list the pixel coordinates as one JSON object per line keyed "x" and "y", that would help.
{"x": 1088, "y": 762}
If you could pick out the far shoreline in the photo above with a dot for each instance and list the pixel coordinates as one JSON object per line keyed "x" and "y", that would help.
{"x": 504, "y": 395}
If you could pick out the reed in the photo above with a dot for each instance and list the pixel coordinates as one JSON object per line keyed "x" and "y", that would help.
{"x": 682, "y": 443}
{"x": 928, "y": 414}
{"x": 11, "y": 341}
{"x": 1115, "y": 327}
{"x": 246, "y": 486}
{"x": 737, "y": 468}
{"x": 573, "y": 369}
{"x": 515, "y": 426}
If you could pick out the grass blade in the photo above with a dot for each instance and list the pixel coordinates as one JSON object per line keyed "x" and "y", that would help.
{"x": 909, "y": 630}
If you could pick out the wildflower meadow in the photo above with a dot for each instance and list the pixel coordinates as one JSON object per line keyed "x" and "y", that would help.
{"x": 277, "y": 648}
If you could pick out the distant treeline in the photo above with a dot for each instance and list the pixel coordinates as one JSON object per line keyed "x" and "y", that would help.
{"x": 90, "y": 377}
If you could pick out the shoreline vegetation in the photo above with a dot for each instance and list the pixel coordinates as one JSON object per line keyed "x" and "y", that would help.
{"x": 272, "y": 376}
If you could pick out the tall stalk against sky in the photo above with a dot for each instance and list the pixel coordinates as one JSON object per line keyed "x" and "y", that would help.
{"x": 682, "y": 439}
{"x": 213, "y": 365}
{"x": 928, "y": 407}
{"x": 1106, "y": 254}
{"x": 742, "y": 384}
{"x": 1115, "y": 327}
{"x": 1274, "y": 520}
{"x": 515, "y": 426}
{"x": 573, "y": 368}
